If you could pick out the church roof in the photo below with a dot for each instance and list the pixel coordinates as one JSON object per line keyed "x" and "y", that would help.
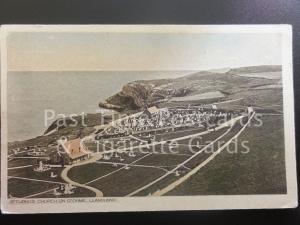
{"x": 153, "y": 109}
{"x": 74, "y": 148}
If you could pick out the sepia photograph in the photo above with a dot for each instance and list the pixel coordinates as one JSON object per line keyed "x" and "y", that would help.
{"x": 146, "y": 117}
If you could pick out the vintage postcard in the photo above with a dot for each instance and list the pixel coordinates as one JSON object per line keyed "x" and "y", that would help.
{"x": 101, "y": 118}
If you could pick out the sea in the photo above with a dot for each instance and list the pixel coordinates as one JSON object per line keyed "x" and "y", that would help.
{"x": 33, "y": 94}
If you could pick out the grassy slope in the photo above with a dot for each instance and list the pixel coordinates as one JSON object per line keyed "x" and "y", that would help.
{"x": 261, "y": 171}
{"x": 124, "y": 182}
{"x": 88, "y": 172}
{"x": 22, "y": 188}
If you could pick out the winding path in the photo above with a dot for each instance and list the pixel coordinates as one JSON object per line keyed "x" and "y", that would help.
{"x": 64, "y": 175}
{"x": 95, "y": 157}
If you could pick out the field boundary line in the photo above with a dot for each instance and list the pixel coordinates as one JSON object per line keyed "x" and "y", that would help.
{"x": 37, "y": 180}
{"x": 196, "y": 169}
{"x": 181, "y": 164}
{"x": 39, "y": 193}
{"x": 106, "y": 175}
{"x": 134, "y": 165}
{"x": 19, "y": 167}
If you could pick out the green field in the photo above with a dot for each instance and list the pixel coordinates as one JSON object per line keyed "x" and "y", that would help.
{"x": 167, "y": 160}
{"x": 88, "y": 172}
{"x": 21, "y": 162}
{"x": 22, "y": 188}
{"x": 124, "y": 182}
{"x": 28, "y": 172}
{"x": 261, "y": 171}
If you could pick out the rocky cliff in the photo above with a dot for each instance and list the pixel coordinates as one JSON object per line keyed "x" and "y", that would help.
{"x": 247, "y": 81}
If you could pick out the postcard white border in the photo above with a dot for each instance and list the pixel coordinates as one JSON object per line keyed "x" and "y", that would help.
{"x": 165, "y": 203}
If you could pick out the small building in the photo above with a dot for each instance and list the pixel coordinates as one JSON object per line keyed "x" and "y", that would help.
{"x": 213, "y": 106}
{"x": 151, "y": 111}
{"x": 250, "y": 110}
{"x": 70, "y": 152}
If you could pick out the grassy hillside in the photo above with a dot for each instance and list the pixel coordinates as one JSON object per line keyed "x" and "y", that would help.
{"x": 231, "y": 83}
{"x": 258, "y": 91}
{"x": 261, "y": 171}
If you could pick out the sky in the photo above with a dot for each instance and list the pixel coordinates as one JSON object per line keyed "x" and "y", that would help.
{"x": 42, "y": 51}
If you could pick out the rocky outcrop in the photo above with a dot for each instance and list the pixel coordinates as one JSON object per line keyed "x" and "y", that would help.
{"x": 135, "y": 95}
